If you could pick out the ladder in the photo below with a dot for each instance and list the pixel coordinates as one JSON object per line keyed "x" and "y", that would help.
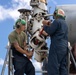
{"x": 8, "y": 60}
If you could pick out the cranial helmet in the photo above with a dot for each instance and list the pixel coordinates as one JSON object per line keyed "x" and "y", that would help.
{"x": 20, "y": 22}
{"x": 59, "y": 12}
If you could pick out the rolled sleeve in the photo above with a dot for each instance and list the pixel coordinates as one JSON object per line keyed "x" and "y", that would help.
{"x": 12, "y": 39}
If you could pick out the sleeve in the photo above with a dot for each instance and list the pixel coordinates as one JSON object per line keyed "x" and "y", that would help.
{"x": 25, "y": 38}
{"x": 12, "y": 39}
{"x": 52, "y": 28}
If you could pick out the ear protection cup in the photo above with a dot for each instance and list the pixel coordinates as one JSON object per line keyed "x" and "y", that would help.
{"x": 56, "y": 12}
{"x": 18, "y": 23}
{"x": 60, "y": 13}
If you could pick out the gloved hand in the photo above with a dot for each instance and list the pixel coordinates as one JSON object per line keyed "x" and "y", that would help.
{"x": 42, "y": 32}
{"x": 46, "y": 22}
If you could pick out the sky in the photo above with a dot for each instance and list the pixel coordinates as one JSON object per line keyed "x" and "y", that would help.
{"x": 9, "y": 14}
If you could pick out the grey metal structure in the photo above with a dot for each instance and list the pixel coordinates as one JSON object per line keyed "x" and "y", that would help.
{"x": 8, "y": 61}
{"x": 70, "y": 11}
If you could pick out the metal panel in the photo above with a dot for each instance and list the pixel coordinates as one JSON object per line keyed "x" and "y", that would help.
{"x": 70, "y": 11}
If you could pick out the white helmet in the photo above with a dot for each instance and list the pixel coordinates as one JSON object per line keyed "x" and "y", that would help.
{"x": 59, "y": 12}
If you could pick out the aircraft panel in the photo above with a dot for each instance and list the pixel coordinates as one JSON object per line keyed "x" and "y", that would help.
{"x": 70, "y": 11}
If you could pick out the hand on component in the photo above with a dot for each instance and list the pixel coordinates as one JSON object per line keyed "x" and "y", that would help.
{"x": 25, "y": 48}
{"x": 43, "y": 32}
{"x": 46, "y": 22}
{"x": 29, "y": 54}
